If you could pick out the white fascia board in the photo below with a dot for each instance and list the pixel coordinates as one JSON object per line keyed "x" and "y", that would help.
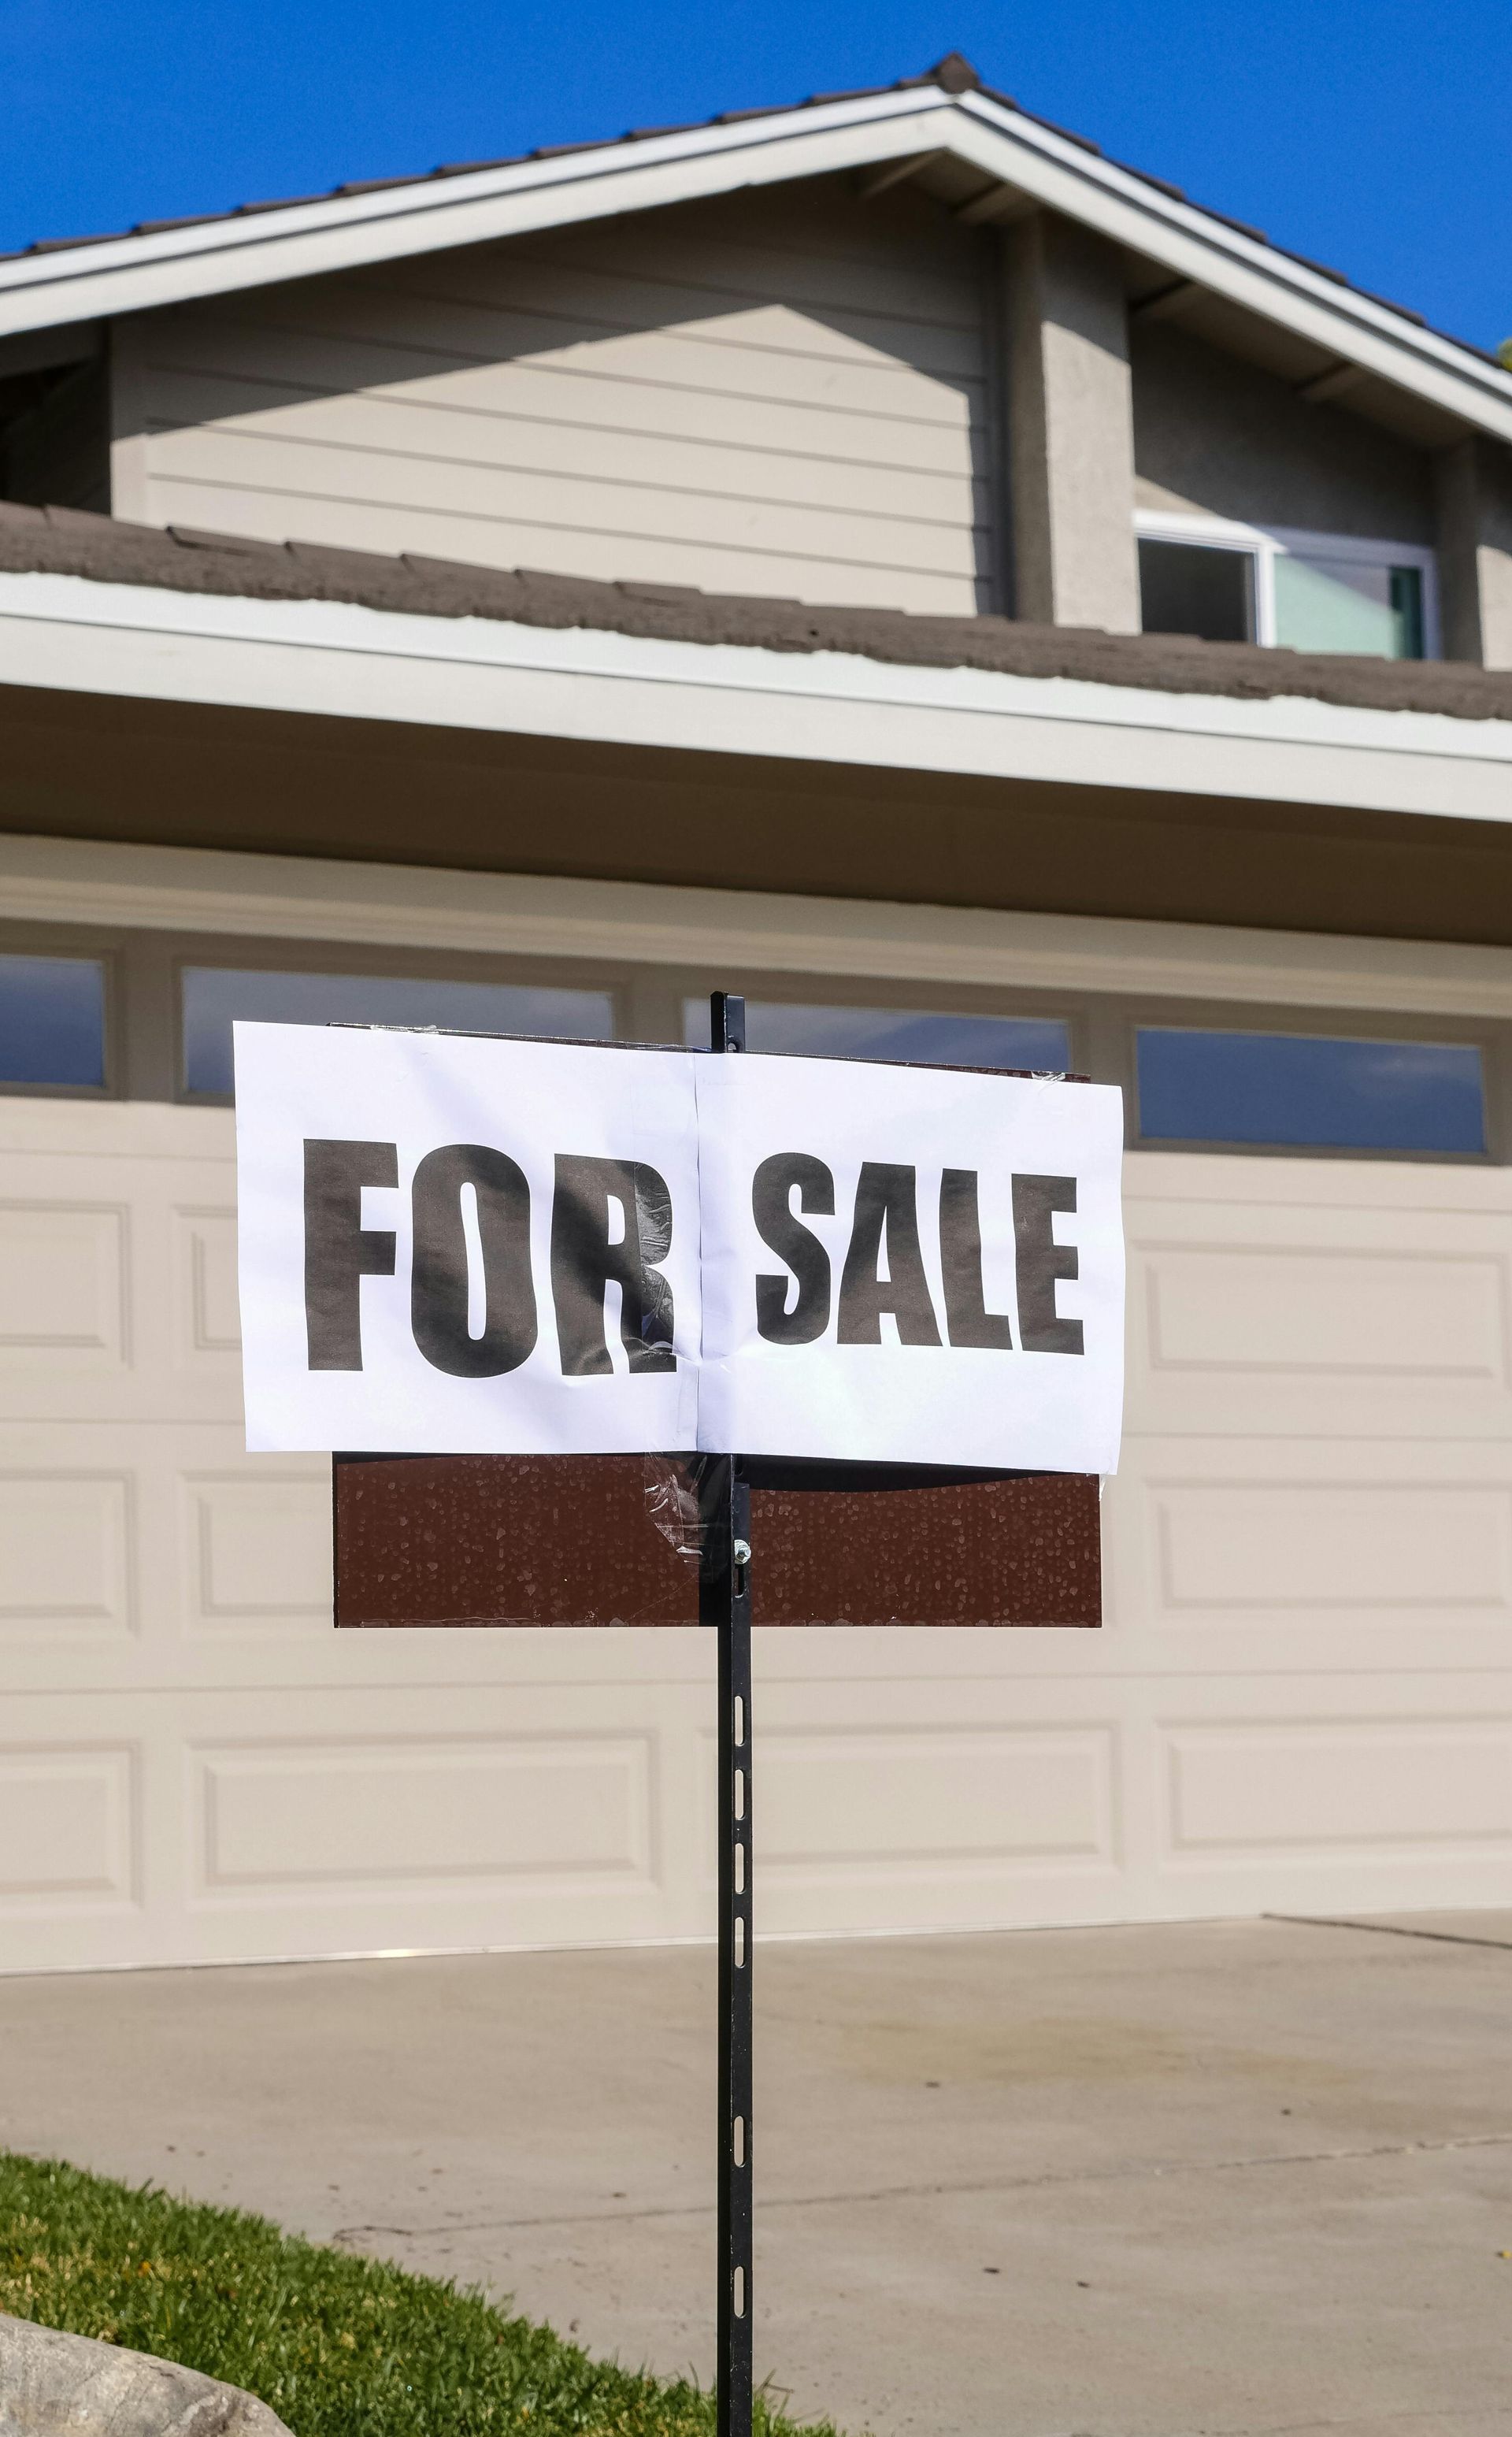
{"x": 68, "y": 634}
{"x": 1193, "y": 244}
{"x": 131, "y": 275}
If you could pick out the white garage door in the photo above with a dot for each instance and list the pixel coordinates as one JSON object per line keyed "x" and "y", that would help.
{"x": 1302, "y": 1699}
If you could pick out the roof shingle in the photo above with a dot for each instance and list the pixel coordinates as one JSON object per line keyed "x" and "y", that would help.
{"x": 64, "y": 541}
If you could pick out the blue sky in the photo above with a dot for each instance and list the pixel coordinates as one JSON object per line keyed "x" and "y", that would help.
{"x": 1374, "y": 134}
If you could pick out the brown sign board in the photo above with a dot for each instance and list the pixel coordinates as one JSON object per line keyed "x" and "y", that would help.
{"x": 614, "y": 1540}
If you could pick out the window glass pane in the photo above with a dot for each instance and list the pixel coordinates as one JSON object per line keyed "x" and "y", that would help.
{"x": 1040, "y": 1043}
{"x": 1289, "y": 1087}
{"x": 52, "y": 1020}
{"x": 213, "y": 996}
{"x": 1334, "y": 604}
{"x": 1407, "y": 612}
{"x": 1197, "y": 589}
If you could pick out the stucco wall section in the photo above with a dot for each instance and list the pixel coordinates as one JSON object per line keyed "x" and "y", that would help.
{"x": 1474, "y": 491}
{"x": 1216, "y": 434}
{"x": 1071, "y": 443}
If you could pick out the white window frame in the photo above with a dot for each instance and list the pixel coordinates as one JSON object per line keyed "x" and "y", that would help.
{"x": 1268, "y": 543}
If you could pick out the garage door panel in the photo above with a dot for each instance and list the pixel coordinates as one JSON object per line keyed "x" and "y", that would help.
{"x": 123, "y": 1552}
{"x": 64, "y": 1293}
{"x": 355, "y": 1820}
{"x": 972, "y": 1798}
{"x": 69, "y": 1829}
{"x": 1337, "y": 1312}
{"x": 1314, "y": 1554}
{"x": 1296, "y": 1321}
{"x": 203, "y": 1293}
{"x": 292, "y": 1816}
{"x": 67, "y": 1554}
{"x": 258, "y": 1553}
{"x": 1248, "y": 1787}
{"x": 228, "y": 1569}
{"x": 117, "y": 1287}
{"x": 90, "y": 1588}
{"x": 1306, "y": 1546}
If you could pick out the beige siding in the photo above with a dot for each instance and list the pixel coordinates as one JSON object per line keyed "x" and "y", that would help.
{"x": 784, "y": 394}
{"x": 1225, "y": 437}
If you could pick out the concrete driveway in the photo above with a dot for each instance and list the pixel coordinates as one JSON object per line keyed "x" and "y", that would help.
{"x": 1136, "y": 2183}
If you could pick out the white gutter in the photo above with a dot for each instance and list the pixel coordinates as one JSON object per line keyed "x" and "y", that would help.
{"x": 70, "y": 635}
{"x": 131, "y": 275}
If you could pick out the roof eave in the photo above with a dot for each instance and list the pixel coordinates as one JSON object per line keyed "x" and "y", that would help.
{"x": 67, "y": 635}
{"x": 1004, "y": 144}
{"x": 1258, "y": 277}
{"x": 136, "y": 272}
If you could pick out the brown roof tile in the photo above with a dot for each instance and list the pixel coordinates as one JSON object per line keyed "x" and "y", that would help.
{"x": 64, "y": 541}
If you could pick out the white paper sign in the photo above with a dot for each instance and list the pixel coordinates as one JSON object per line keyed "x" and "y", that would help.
{"x": 464, "y": 1246}
{"x": 902, "y": 1264}
{"x": 417, "y": 1216}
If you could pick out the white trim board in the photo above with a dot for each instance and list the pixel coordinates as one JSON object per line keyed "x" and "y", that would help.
{"x": 294, "y": 896}
{"x": 71, "y": 635}
{"x": 1033, "y": 163}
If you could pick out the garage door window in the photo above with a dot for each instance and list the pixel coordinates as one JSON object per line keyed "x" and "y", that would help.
{"x": 52, "y": 1022}
{"x": 214, "y": 996}
{"x": 1031, "y": 1044}
{"x": 1306, "y": 1092}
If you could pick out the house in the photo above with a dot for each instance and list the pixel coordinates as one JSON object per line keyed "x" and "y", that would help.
{"x": 880, "y": 555}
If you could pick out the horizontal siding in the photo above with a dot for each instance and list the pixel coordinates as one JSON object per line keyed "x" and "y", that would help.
{"x": 344, "y": 524}
{"x": 785, "y": 395}
{"x": 381, "y": 429}
{"x": 496, "y": 363}
{"x": 696, "y": 515}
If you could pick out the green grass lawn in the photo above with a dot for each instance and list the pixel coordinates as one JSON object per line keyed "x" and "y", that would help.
{"x": 340, "y": 2347}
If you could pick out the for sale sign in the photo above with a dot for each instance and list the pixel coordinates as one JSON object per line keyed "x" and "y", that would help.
{"x": 458, "y": 1245}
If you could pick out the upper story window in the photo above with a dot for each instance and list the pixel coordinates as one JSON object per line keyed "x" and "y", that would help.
{"x": 1307, "y": 592}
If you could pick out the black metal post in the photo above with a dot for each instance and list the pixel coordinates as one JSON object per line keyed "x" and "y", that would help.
{"x": 725, "y": 1603}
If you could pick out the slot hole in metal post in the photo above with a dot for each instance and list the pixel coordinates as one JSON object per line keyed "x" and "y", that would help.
{"x": 739, "y": 1869}
{"x": 739, "y": 1944}
{"x": 737, "y": 2141}
{"x": 739, "y": 1720}
{"x": 738, "y": 2292}
{"x": 739, "y": 1794}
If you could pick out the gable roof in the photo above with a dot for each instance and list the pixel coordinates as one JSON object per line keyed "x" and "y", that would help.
{"x": 1005, "y": 158}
